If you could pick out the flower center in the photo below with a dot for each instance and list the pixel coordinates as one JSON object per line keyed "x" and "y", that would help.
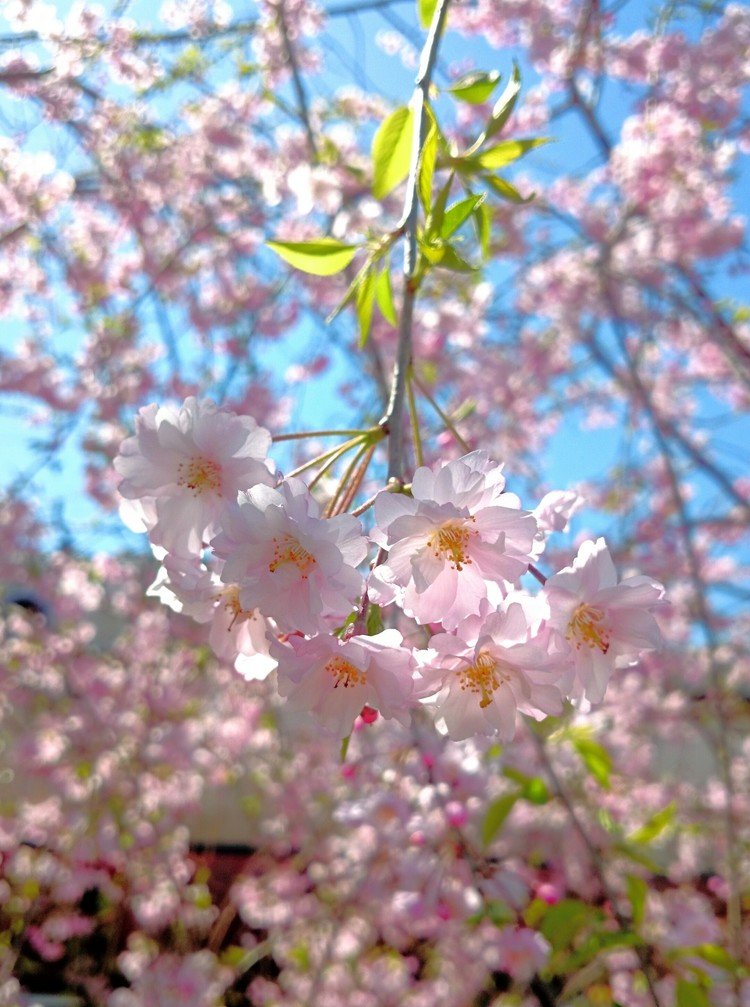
{"x": 345, "y": 673}
{"x": 483, "y": 677}
{"x": 451, "y": 542}
{"x": 287, "y": 549}
{"x": 587, "y": 627}
{"x": 230, "y": 599}
{"x": 201, "y": 475}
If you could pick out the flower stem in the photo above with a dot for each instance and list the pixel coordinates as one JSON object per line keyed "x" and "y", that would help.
{"x": 443, "y": 416}
{"x": 304, "y": 434}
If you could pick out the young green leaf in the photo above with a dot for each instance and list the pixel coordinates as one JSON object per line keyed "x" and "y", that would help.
{"x": 505, "y": 190}
{"x": 508, "y": 151}
{"x": 384, "y": 297}
{"x": 437, "y": 213}
{"x": 450, "y": 259}
{"x": 425, "y": 9}
{"x": 637, "y": 892}
{"x": 457, "y": 214}
{"x": 391, "y": 151}
{"x": 654, "y": 827}
{"x": 475, "y": 87}
{"x": 374, "y": 621}
{"x": 321, "y": 257}
{"x": 364, "y": 304}
{"x": 482, "y": 217}
{"x": 503, "y": 107}
{"x": 691, "y": 995}
{"x": 596, "y": 759}
{"x": 427, "y": 161}
{"x": 495, "y": 816}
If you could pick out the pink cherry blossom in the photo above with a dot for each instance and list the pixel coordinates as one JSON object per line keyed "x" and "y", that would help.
{"x": 294, "y": 566}
{"x": 479, "y": 678}
{"x": 455, "y": 541}
{"x": 605, "y": 623}
{"x": 190, "y": 463}
{"x": 335, "y": 679}
{"x": 238, "y": 635}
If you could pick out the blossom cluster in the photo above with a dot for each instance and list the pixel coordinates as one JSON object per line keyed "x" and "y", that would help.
{"x": 282, "y": 585}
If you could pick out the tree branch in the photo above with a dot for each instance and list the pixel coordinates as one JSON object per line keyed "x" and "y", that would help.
{"x": 393, "y": 420}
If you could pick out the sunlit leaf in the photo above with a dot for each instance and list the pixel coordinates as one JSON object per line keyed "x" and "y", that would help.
{"x": 654, "y": 827}
{"x": 425, "y": 9}
{"x": 384, "y": 297}
{"x": 459, "y": 213}
{"x": 508, "y": 151}
{"x": 503, "y": 106}
{"x": 427, "y": 160}
{"x": 495, "y": 816}
{"x": 365, "y": 301}
{"x": 391, "y": 151}
{"x": 637, "y": 892}
{"x": 596, "y": 759}
{"x": 322, "y": 257}
{"x": 475, "y": 87}
{"x": 505, "y": 190}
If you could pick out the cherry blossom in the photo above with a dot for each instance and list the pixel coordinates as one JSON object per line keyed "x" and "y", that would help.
{"x": 335, "y": 679}
{"x": 190, "y": 463}
{"x": 605, "y": 623}
{"x": 294, "y": 566}
{"x": 482, "y": 675}
{"x": 455, "y": 541}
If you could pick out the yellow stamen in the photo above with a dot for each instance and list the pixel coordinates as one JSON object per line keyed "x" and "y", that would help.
{"x": 587, "y": 627}
{"x": 483, "y": 677}
{"x": 345, "y": 673}
{"x": 230, "y": 598}
{"x": 201, "y": 475}
{"x": 451, "y": 542}
{"x": 287, "y": 549}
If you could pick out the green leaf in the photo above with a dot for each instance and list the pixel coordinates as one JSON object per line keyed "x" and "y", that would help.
{"x": 503, "y": 107}
{"x": 384, "y": 297}
{"x": 391, "y": 151}
{"x": 460, "y": 212}
{"x": 450, "y": 259}
{"x": 364, "y": 305}
{"x": 475, "y": 87}
{"x": 637, "y": 892}
{"x": 322, "y": 257}
{"x": 427, "y": 159}
{"x": 654, "y": 826}
{"x": 508, "y": 151}
{"x": 714, "y": 954}
{"x": 482, "y": 217}
{"x": 374, "y": 621}
{"x": 425, "y": 9}
{"x": 596, "y": 759}
{"x": 344, "y": 747}
{"x": 564, "y": 920}
{"x": 495, "y": 816}
{"x": 505, "y": 190}
{"x": 691, "y": 995}
{"x": 437, "y": 213}
{"x": 533, "y": 788}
